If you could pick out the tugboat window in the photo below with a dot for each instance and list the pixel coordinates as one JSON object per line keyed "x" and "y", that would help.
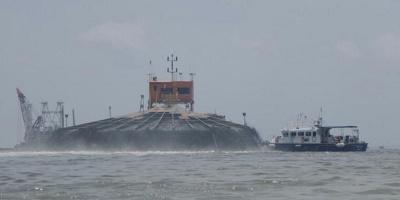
{"x": 314, "y": 134}
{"x": 300, "y": 134}
{"x": 285, "y": 134}
{"x": 308, "y": 133}
{"x": 293, "y": 134}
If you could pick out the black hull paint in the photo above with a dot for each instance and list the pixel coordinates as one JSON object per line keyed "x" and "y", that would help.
{"x": 321, "y": 147}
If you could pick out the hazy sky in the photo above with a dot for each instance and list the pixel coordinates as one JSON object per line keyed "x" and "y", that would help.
{"x": 272, "y": 59}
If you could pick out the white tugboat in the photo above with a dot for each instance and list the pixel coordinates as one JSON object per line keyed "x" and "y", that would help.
{"x": 319, "y": 138}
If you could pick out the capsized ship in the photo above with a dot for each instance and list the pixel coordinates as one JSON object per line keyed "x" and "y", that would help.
{"x": 319, "y": 138}
{"x": 169, "y": 123}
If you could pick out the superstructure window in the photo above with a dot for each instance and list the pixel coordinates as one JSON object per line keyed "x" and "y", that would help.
{"x": 184, "y": 90}
{"x": 300, "y": 134}
{"x": 308, "y": 133}
{"x": 166, "y": 90}
{"x": 314, "y": 134}
{"x": 285, "y": 134}
{"x": 293, "y": 134}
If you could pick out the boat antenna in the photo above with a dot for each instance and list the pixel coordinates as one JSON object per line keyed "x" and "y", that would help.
{"x": 171, "y": 70}
{"x": 320, "y": 115}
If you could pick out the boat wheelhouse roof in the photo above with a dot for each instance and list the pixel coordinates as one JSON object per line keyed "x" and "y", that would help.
{"x": 299, "y": 129}
{"x": 313, "y": 128}
{"x": 331, "y": 127}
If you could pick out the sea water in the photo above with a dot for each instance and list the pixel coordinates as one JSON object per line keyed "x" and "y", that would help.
{"x": 265, "y": 174}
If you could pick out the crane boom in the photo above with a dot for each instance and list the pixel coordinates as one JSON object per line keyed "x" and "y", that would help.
{"x": 26, "y": 110}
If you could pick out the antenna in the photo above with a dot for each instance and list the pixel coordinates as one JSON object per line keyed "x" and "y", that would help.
{"x": 171, "y": 70}
{"x": 109, "y": 111}
{"x": 60, "y": 108}
{"x": 141, "y": 103}
{"x": 320, "y": 115}
{"x": 66, "y": 120}
{"x": 150, "y": 75}
{"x": 192, "y": 75}
{"x": 180, "y": 76}
{"x": 73, "y": 117}
{"x": 302, "y": 119}
{"x": 244, "y": 119}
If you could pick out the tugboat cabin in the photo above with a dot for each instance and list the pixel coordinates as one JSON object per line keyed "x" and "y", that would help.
{"x": 320, "y": 135}
{"x": 300, "y": 135}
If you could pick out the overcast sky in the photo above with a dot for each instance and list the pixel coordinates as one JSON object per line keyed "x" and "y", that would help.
{"x": 271, "y": 59}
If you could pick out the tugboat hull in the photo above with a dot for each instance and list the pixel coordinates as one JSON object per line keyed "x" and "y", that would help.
{"x": 320, "y": 147}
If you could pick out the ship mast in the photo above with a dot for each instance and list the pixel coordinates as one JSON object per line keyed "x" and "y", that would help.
{"x": 171, "y": 70}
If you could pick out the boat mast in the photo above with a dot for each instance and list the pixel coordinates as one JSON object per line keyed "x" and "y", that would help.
{"x": 320, "y": 116}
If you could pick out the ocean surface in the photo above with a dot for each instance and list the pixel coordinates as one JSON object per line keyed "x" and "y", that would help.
{"x": 374, "y": 174}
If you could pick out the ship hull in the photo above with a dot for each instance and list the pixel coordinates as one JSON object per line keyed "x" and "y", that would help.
{"x": 320, "y": 147}
{"x": 150, "y": 131}
{"x": 147, "y": 140}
